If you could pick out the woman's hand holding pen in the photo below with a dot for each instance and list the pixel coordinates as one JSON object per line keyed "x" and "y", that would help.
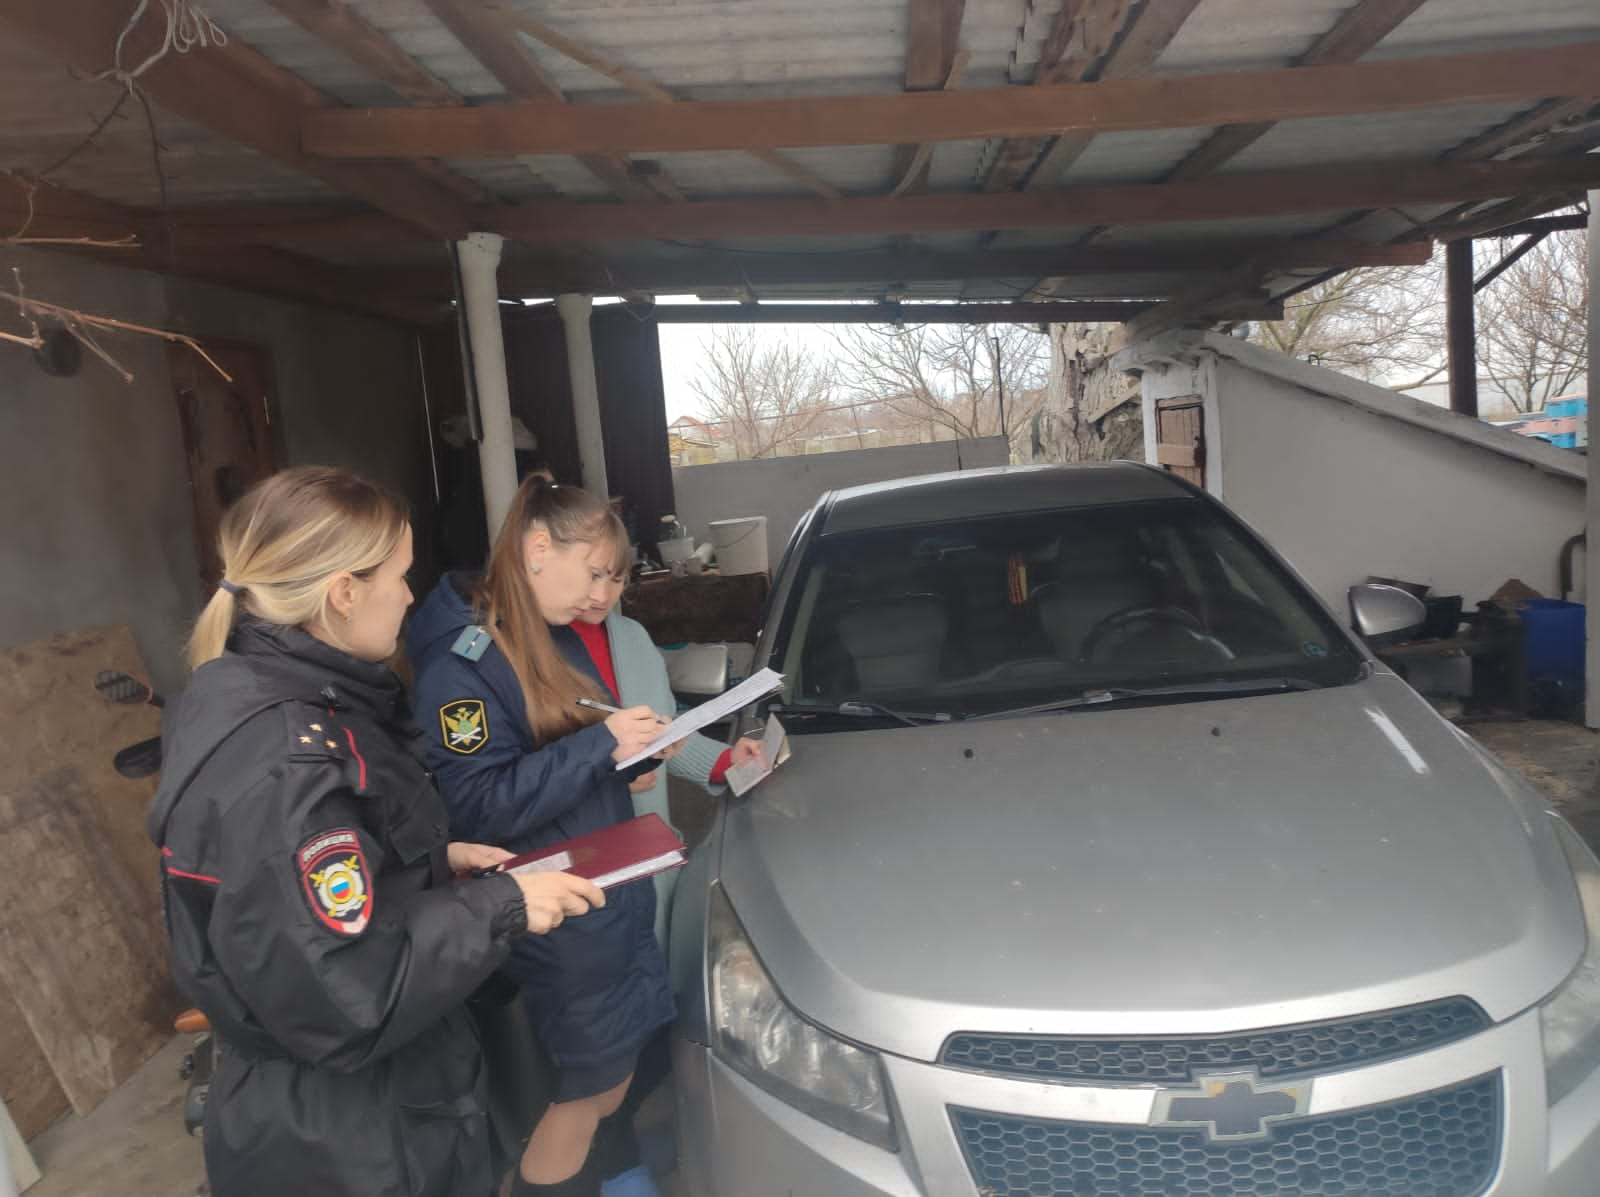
{"x": 634, "y": 730}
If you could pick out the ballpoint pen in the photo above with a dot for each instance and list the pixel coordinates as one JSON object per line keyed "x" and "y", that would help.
{"x": 609, "y": 709}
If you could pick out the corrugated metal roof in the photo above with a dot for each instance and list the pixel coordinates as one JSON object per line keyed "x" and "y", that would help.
{"x": 707, "y": 49}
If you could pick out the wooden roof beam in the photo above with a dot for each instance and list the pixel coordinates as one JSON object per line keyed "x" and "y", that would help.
{"x": 1147, "y": 35}
{"x": 236, "y": 93}
{"x": 59, "y": 213}
{"x": 484, "y": 36}
{"x": 933, "y": 39}
{"x": 1358, "y": 31}
{"x": 515, "y": 19}
{"x": 1116, "y": 105}
{"x": 715, "y": 270}
{"x": 1081, "y": 35}
{"x": 1087, "y": 311}
{"x": 1234, "y": 197}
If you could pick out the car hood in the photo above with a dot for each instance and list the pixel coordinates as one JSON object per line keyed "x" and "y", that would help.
{"x": 1186, "y": 868}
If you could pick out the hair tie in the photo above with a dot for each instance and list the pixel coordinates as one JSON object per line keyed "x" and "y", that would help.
{"x": 231, "y": 587}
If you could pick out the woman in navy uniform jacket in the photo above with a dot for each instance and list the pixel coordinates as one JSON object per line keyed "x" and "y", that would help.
{"x": 521, "y": 764}
{"x": 306, "y": 874}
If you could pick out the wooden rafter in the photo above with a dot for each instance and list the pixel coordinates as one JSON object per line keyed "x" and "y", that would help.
{"x": 1080, "y": 36}
{"x": 1113, "y": 105}
{"x": 338, "y": 25}
{"x": 547, "y": 276}
{"x": 1231, "y": 197}
{"x": 55, "y": 211}
{"x": 1148, "y": 33}
{"x": 1088, "y": 311}
{"x": 237, "y": 93}
{"x": 933, "y": 39}
{"x": 515, "y": 19}
{"x": 1358, "y": 31}
{"x": 481, "y": 33}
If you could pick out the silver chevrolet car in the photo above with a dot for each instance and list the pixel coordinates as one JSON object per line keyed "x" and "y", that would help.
{"x": 1108, "y": 862}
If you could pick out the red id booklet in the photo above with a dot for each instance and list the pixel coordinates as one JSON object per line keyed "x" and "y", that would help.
{"x": 641, "y": 847}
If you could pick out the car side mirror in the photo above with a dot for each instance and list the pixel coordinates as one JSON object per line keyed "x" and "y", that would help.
{"x": 1385, "y": 614}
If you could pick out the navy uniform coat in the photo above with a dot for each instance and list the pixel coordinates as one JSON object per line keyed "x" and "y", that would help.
{"x": 596, "y": 986}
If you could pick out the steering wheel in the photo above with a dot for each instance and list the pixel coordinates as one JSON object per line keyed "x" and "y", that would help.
{"x": 1130, "y": 617}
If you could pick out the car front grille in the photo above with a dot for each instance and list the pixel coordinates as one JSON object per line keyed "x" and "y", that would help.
{"x": 1278, "y": 1051}
{"x": 1440, "y": 1144}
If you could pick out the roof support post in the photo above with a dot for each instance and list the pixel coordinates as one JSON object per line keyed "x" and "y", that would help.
{"x": 1460, "y": 330}
{"x": 497, "y": 458}
{"x": 1591, "y": 559}
{"x": 575, "y": 310}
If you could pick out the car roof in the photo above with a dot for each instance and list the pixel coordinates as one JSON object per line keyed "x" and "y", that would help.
{"x": 965, "y": 494}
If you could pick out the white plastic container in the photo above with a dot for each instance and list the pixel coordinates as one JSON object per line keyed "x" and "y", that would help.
{"x": 741, "y": 544}
{"x": 676, "y": 551}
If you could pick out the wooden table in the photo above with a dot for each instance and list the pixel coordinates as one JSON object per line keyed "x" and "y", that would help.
{"x": 1492, "y": 643}
{"x": 705, "y": 608}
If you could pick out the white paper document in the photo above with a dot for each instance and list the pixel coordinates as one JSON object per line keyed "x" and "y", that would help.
{"x": 707, "y": 713}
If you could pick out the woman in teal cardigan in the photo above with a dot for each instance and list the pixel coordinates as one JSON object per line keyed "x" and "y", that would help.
{"x": 628, "y": 661}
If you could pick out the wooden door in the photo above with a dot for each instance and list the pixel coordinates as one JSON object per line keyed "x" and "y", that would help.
{"x": 227, "y": 435}
{"x": 1181, "y": 437}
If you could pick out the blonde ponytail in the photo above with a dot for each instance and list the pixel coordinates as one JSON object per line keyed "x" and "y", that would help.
{"x": 285, "y": 541}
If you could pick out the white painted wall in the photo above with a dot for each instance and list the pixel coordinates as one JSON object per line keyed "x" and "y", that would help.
{"x": 784, "y": 488}
{"x": 1348, "y": 480}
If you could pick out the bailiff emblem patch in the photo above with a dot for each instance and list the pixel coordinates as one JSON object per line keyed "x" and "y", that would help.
{"x": 465, "y": 725}
{"x": 333, "y": 870}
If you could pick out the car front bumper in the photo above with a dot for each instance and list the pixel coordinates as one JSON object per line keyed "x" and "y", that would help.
{"x": 738, "y": 1141}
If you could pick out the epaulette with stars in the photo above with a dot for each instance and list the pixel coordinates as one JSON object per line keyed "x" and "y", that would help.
{"x": 312, "y": 732}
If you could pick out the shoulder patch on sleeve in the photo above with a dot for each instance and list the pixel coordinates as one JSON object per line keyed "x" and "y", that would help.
{"x": 337, "y": 882}
{"x": 473, "y": 642}
{"x": 464, "y": 725}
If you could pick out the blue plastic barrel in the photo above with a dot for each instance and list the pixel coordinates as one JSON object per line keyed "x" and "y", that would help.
{"x": 1553, "y": 639}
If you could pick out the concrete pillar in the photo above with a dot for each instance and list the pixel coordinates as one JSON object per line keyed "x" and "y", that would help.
{"x": 1591, "y": 558}
{"x": 480, "y": 292}
{"x": 574, "y": 311}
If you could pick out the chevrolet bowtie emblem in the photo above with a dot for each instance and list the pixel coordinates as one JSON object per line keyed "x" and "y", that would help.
{"x": 1230, "y": 1107}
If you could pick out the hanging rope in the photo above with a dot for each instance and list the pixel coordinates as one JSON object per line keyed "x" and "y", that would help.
{"x": 187, "y": 28}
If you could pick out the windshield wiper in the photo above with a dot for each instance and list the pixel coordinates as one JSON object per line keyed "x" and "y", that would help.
{"x": 859, "y": 708}
{"x": 1110, "y": 694}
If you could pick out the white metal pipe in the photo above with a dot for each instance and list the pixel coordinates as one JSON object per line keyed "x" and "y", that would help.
{"x": 480, "y": 292}
{"x": 1591, "y": 556}
{"x": 575, "y": 311}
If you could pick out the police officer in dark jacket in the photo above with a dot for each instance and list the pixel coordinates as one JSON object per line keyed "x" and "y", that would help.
{"x": 310, "y": 908}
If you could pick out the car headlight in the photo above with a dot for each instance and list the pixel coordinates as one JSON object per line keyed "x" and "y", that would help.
{"x": 1569, "y": 1020}
{"x": 757, "y": 1033}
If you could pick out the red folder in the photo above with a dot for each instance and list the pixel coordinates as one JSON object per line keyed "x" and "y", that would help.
{"x": 623, "y": 852}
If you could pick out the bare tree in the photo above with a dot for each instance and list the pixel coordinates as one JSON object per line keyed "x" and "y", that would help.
{"x": 1387, "y": 324}
{"x": 971, "y": 379}
{"x": 1532, "y": 320}
{"x": 762, "y": 392}
{"x": 1384, "y": 324}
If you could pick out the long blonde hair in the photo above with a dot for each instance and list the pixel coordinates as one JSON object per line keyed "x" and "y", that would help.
{"x": 286, "y": 540}
{"x": 506, "y": 604}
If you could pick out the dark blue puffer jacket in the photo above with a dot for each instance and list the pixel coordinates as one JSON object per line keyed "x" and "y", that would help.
{"x": 596, "y": 986}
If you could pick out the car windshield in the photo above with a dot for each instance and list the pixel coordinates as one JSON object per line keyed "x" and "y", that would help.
{"x": 1073, "y": 606}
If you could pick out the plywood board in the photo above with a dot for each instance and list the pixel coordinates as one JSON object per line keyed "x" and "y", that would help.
{"x": 84, "y": 965}
{"x": 82, "y": 953}
{"x": 28, "y": 1086}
